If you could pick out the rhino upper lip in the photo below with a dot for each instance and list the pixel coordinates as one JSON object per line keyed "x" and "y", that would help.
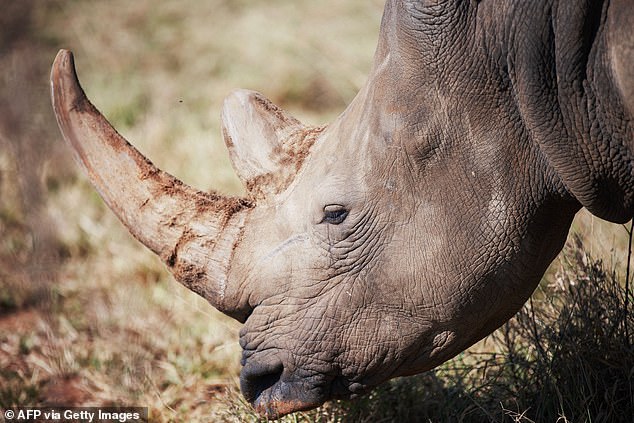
{"x": 274, "y": 391}
{"x": 257, "y": 378}
{"x": 274, "y": 395}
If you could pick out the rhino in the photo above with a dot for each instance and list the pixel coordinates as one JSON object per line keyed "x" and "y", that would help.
{"x": 416, "y": 223}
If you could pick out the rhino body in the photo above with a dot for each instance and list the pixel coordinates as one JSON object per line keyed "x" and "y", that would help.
{"x": 416, "y": 223}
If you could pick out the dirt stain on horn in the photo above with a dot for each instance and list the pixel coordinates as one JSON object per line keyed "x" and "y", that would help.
{"x": 272, "y": 108}
{"x": 289, "y": 157}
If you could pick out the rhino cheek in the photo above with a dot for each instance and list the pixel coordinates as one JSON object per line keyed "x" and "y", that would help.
{"x": 285, "y": 247}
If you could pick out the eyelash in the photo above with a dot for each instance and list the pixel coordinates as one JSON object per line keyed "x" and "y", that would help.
{"x": 335, "y": 217}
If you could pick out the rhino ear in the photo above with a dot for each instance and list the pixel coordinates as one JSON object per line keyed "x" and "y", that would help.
{"x": 262, "y": 140}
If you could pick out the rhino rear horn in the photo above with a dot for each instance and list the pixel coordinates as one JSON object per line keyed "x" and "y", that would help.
{"x": 193, "y": 232}
{"x": 267, "y": 146}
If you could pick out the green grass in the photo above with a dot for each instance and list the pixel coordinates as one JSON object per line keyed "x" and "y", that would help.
{"x": 90, "y": 317}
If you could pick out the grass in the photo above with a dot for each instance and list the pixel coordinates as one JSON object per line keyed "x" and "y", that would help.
{"x": 89, "y": 317}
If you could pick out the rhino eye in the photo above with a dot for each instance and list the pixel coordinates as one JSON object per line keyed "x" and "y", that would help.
{"x": 334, "y": 214}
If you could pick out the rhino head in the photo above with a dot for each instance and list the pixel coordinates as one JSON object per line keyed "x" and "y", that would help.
{"x": 392, "y": 239}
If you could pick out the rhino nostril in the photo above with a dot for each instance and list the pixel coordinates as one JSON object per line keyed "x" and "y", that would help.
{"x": 257, "y": 378}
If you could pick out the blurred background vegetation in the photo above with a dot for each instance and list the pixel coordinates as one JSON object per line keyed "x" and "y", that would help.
{"x": 90, "y": 317}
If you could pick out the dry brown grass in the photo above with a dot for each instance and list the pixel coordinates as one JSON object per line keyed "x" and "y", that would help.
{"x": 87, "y": 315}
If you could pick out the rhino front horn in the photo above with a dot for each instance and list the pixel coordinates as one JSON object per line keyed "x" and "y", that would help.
{"x": 193, "y": 232}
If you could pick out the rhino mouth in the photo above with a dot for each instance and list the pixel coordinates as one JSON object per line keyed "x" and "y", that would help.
{"x": 273, "y": 391}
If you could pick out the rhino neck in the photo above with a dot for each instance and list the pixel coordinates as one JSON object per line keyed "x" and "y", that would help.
{"x": 557, "y": 74}
{"x": 570, "y": 103}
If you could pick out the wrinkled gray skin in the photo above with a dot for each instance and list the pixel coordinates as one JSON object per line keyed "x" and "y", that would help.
{"x": 416, "y": 223}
